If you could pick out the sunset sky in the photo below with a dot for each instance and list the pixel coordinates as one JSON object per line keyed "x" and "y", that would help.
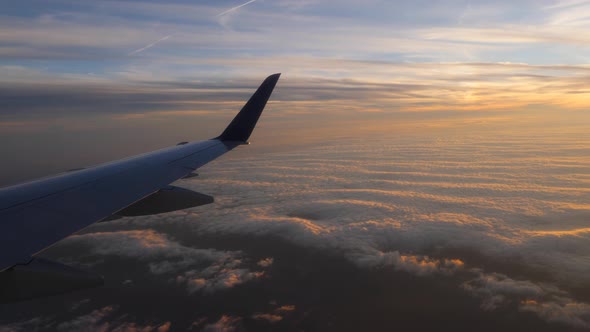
{"x": 431, "y": 158}
{"x": 116, "y": 60}
{"x": 148, "y": 73}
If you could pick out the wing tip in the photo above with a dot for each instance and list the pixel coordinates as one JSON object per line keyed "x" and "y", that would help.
{"x": 243, "y": 124}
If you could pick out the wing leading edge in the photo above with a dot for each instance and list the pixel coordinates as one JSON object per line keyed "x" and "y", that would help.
{"x": 35, "y": 215}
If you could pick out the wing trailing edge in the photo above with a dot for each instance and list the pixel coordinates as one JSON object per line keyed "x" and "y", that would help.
{"x": 168, "y": 199}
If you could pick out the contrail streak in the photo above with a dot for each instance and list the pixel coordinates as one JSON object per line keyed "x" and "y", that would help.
{"x": 234, "y": 8}
{"x": 139, "y": 50}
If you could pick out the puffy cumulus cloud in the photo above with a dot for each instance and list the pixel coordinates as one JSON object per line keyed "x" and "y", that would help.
{"x": 285, "y": 308}
{"x": 36, "y": 323}
{"x": 147, "y": 245}
{"x": 369, "y": 200}
{"x": 560, "y": 310}
{"x": 134, "y": 327}
{"x": 94, "y": 321}
{"x": 495, "y": 289}
{"x": 277, "y": 314}
{"x": 79, "y": 304}
{"x": 420, "y": 205}
{"x": 224, "y": 324}
{"x": 418, "y": 265}
{"x": 271, "y": 318}
{"x": 104, "y": 319}
{"x": 99, "y": 320}
{"x": 208, "y": 270}
{"x": 545, "y": 300}
{"x": 216, "y": 278}
{"x": 265, "y": 262}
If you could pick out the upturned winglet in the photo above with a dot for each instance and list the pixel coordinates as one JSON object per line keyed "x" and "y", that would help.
{"x": 240, "y": 129}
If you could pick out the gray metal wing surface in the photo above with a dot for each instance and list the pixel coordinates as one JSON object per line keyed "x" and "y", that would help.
{"x": 35, "y": 215}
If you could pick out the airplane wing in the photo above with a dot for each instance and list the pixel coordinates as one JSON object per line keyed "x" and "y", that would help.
{"x": 35, "y": 215}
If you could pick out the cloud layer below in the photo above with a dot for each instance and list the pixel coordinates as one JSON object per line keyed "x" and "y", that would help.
{"x": 419, "y": 206}
{"x": 503, "y": 219}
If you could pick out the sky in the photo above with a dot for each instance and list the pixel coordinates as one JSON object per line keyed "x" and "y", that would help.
{"x": 151, "y": 73}
{"x": 421, "y": 164}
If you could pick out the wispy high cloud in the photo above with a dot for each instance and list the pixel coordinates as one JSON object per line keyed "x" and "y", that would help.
{"x": 234, "y": 8}
{"x": 150, "y": 45}
{"x": 437, "y": 57}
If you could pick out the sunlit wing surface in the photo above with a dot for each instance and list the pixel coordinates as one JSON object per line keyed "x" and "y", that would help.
{"x": 35, "y": 215}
